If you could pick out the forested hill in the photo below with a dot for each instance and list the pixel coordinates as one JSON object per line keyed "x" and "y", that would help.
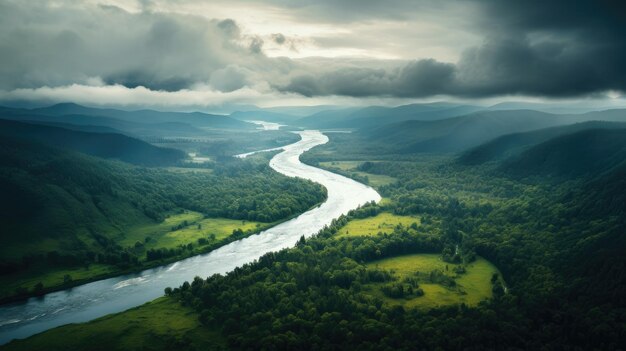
{"x": 378, "y": 115}
{"x": 107, "y": 145}
{"x": 196, "y": 119}
{"x": 262, "y": 115}
{"x": 457, "y": 134}
{"x": 510, "y": 144}
{"x": 585, "y": 153}
{"x": 78, "y": 207}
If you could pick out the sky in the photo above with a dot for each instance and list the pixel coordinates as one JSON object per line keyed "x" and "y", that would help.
{"x": 232, "y": 54}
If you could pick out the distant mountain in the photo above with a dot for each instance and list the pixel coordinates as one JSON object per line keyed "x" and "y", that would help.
{"x": 459, "y": 133}
{"x": 377, "y": 115}
{"x": 468, "y": 131}
{"x": 327, "y": 118}
{"x": 302, "y": 111}
{"x": 261, "y": 115}
{"x": 614, "y": 115}
{"x": 560, "y": 108}
{"x": 510, "y": 144}
{"x": 585, "y": 153}
{"x": 80, "y": 128}
{"x": 196, "y": 119}
{"x": 107, "y": 145}
{"x": 83, "y": 121}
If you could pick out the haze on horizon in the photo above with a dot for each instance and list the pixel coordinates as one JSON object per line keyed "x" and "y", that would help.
{"x": 224, "y": 55}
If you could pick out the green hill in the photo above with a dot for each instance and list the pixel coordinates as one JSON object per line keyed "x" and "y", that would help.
{"x": 378, "y": 115}
{"x": 262, "y": 115}
{"x": 63, "y": 210}
{"x": 196, "y": 119}
{"x": 508, "y": 145}
{"x": 585, "y": 153}
{"x": 455, "y": 134}
{"x": 89, "y": 121}
{"x": 106, "y": 145}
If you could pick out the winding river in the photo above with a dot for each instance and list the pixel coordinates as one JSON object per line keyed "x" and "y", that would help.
{"x": 93, "y": 300}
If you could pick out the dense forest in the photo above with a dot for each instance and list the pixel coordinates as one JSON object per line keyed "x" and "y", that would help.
{"x": 98, "y": 143}
{"x": 557, "y": 241}
{"x": 71, "y": 209}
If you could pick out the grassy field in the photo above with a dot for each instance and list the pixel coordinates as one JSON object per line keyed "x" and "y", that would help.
{"x": 162, "y": 324}
{"x": 375, "y": 180}
{"x": 383, "y": 222}
{"x": 163, "y": 235}
{"x": 170, "y": 233}
{"x": 471, "y": 287}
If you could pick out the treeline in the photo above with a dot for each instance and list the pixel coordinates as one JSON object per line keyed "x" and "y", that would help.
{"x": 307, "y": 297}
{"x": 310, "y": 298}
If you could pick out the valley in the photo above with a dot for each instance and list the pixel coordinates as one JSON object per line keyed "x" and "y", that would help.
{"x": 467, "y": 233}
{"x": 312, "y": 175}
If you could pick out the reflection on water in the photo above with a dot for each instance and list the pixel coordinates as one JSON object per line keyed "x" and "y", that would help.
{"x": 99, "y": 298}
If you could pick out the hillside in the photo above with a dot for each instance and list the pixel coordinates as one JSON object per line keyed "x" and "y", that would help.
{"x": 62, "y": 200}
{"x": 196, "y": 119}
{"x": 106, "y": 145}
{"x": 585, "y": 153}
{"x": 63, "y": 210}
{"x": 131, "y": 128}
{"x": 377, "y": 115}
{"x": 459, "y": 133}
{"x": 262, "y": 115}
{"x": 510, "y": 144}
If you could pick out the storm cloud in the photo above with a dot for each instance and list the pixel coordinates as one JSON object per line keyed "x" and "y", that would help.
{"x": 527, "y": 48}
{"x": 546, "y": 49}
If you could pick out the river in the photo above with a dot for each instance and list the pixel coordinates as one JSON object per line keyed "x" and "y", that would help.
{"x": 93, "y": 300}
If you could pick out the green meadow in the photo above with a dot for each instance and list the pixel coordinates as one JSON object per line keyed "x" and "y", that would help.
{"x": 28, "y": 279}
{"x": 470, "y": 287}
{"x": 185, "y": 228}
{"x": 383, "y": 222}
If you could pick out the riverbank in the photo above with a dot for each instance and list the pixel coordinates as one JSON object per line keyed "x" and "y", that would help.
{"x": 113, "y": 271}
{"x": 93, "y": 300}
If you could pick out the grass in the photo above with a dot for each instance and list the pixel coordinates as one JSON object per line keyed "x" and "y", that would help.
{"x": 350, "y": 167}
{"x": 383, "y": 222}
{"x": 170, "y": 233}
{"x": 162, "y": 324}
{"x": 471, "y": 287}
{"x": 162, "y": 236}
{"x": 50, "y": 277}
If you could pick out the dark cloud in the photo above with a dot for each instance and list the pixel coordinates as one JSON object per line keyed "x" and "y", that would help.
{"x": 424, "y": 78}
{"x": 279, "y": 38}
{"x": 256, "y": 45}
{"x": 536, "y": 48}
{"x": 133, "y": 79}
{"x": 416, "y": 79}
{"x": 539, "y": 48}
{"x": 56, "y": 46}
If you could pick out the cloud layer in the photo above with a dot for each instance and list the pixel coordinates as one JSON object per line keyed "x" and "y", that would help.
{"x": 486, "y": 48}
